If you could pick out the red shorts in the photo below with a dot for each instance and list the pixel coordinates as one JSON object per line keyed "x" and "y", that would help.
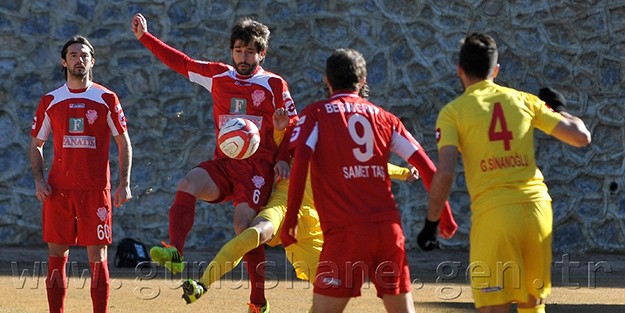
{"x": 354, "y": 253}
{"x": 247, "y": 180}
{"x": 78, "y": 217}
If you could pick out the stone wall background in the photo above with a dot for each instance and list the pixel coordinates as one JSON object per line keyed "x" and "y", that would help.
{"x": 411, "y": 47}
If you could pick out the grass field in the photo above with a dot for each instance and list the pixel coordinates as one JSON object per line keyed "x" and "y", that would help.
{"x": 581, "y": 284}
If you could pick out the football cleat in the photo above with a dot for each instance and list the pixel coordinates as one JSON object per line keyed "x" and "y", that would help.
{"x": 192, "y": 290}
{"x": 257, "y": 308}
{"x": 169, "y": 257}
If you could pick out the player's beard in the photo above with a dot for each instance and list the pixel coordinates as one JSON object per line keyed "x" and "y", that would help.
{"x": 79, "y": 73}
{"x": 249, "y": 69}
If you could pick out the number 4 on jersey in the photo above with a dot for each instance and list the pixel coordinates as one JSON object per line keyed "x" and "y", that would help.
{"x": 504, "y": 134}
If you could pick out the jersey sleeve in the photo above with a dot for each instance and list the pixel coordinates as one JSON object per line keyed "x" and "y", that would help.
{"x": 177, "y": 60}
{"x": 116, "y": 119}
{"x": 397, "y": 172}
{"x": 41, "y": 127}
{"x": 545, "y": 118}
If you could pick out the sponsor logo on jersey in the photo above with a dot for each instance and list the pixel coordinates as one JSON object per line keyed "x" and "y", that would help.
{"x": 258, "y": 96}
{"x": 257, "y": 120}
{"x": 118, "y": 108}
{"x": 238, "y": 105}
{"x": 258, "y": 181}
{"x": 87, "y": 142}
{"x": 122, "y": 118}
{"x": 102, "y": 213}
{"x": 92, "y": 115}
{"x": 491, "y": 289}
{"x": 76, "y": 105}
{"x": 331, "y": 281}
{"x": 34, "y": 122}
{"x": 240, "y": 83}
{"x": 76, "y": 125}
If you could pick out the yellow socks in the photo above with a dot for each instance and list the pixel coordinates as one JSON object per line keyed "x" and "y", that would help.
{"x": 230, "y": 255}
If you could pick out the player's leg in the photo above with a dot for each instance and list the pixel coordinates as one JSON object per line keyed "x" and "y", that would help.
{"x": 389, "y": 271}
{"x": 197, "y": 184}
{"x": 401, "y": 303}
{"x": 94, "y": 224}
{"x": 496, "y": 259}
{"x": 255, "y": 258}
{"x": 327, "y": 304}
{"x": 56, "y": 280}
{"x": 251, "y": 193}
{"x": 231, "y": 253}
{"x": 59, "y": 232}
{"x": 100, "y": 278}
{"x": 538, "y": 256}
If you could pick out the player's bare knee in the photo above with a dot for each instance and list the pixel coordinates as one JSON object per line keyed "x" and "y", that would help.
{"x": 265, "y": 231}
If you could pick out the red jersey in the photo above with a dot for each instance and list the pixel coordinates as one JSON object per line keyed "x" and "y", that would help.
{"x": 254, "y": 97}
{"x": 81, "y": 122}
{"x": 349, "y": 140}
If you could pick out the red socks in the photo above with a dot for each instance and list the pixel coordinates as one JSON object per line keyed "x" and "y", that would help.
{"x": 56, "y": 283}
{"x": 181, "y": 218}
{"x": 255, "y": 261}
{"x": 100, "y": 286}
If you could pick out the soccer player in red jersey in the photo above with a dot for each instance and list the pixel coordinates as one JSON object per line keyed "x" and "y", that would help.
{"x": 347, "y": 141}
{"x": 81, "y": 115}
{"x": 243, "y": 90}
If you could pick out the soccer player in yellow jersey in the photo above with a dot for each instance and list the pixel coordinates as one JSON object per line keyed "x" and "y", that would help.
{"x": 493, "y": 128}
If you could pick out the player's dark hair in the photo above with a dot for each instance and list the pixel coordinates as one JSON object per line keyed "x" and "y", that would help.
{"x": 345, "y": 69}
{"x": 81, "y": 40}
{"x": 250, "y": 31}
{"x": 478, "y": 55}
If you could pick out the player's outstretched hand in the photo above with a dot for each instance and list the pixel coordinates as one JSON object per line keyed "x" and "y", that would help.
{"x": 553, "y": 98}
{"x": 427, "y": 237}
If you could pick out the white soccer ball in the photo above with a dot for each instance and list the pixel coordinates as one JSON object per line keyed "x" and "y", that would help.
{"x": 238, "y": 138}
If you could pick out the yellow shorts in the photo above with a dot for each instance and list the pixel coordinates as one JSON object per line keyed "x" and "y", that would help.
{"x": 510, "y": 253}
{"x": 303, "y": 255}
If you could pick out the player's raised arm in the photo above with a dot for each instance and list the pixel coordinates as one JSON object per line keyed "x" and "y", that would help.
{"x": 170, "y": 56}
{"x": 571, "y": 129}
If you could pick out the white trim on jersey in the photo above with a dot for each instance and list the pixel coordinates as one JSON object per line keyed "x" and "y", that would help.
{"x": 111, "y": 124}
{"x": 312, "y": 139}
{"x": 402, "y": 146}
{"x": 46, "y": 128}
{"x": 204, "y": 81}
{"x": 261, "y": 78}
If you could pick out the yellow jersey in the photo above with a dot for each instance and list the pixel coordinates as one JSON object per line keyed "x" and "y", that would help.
{"x": 493, "y": 128}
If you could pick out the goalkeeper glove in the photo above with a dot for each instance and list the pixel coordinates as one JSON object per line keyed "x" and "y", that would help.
{"x": 427, "y": 237}
{"x": 553, "y": 98}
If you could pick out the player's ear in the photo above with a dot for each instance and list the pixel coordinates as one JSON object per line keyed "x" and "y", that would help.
{"x": 495, "y": 71}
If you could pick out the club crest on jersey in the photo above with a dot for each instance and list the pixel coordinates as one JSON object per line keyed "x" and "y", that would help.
{"x": 258, "y": 181}
{"x": 238, "y": 105}
{"x": 102, "y": 213}
{"x": 76, "y": 125}
{"x": 258, "y": 96}
{"x": 92, "y": 115}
